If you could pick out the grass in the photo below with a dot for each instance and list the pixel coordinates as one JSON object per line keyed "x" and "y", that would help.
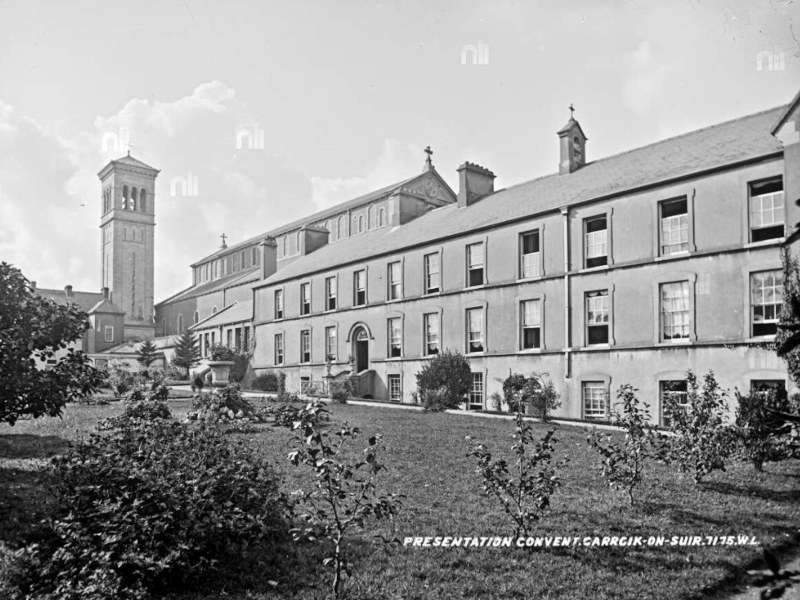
{"x": 426, "y": 459}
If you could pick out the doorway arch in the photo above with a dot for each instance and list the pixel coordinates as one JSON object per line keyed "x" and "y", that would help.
{"x": 359, "y": 343}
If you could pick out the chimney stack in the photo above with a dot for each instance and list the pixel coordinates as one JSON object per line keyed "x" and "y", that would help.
{"x": 474, "y": 182}
{"x": 105, "y": 293}
{"x": 269, "y": 256}
{"x": 68, "y": 291}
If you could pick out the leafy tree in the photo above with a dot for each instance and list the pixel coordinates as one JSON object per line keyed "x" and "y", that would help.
{"x": 523, "y": 489}
{"x": 762, "y": 434}
{"x": 33, "y": 331}
{"x": 535, "y": 392}
{"x": 787, "y": 339}
{"x": 187, "y": 352}
{"x": 446, "y": 377}
{"x": 147, "y": 353}
{"x": 624, "y": 464}
{"x": 702, "y": 441}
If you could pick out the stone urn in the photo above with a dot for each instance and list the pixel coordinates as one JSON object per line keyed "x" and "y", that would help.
{"x": 220, "y": 371}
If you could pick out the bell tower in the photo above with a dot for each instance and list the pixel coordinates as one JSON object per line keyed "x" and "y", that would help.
{"x": 572, "y": 143}
{"x": 127, "y": 223}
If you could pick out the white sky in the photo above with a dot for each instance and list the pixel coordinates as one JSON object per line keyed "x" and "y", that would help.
{"x": 347, "y": 95}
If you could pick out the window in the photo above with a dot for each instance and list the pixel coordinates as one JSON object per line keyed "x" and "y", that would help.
{"x": 360, "y": 223}
{"x": 674, "y": 227}
{"x": 330, "y": 293}
{"x": 531, "y": 324}
{"x": 360, "y": 288}
{"x": 381, "y": 217}
{"x": 278, "y": 348}
{"x": 254, "y": 257}
{"x": 196, "y": 316}
{"x": 596, "y": 250}
{"x": 180, "y": 323}
{"x": 475, "y": 330}
{"x": 395, "y": 335}
{"x": 394, "y": 278}
{"x": 278, "y": 304}
{"x": 214, "y": 310}
{"x": 766, "y": 298}
{"x": 529, "y": 264}
{"x": 305, "y": 298}
{"x": 229, "y": 342}
{"x": 109, "y": 333}
{"x": 675, "y": 311}
{"x": 432, "y": 278}
{"x": 597, "y": 318}
{"x": 305, "y": 346}
{"x": 476, "y": 392}
{"x": 672, "y": 392}
{"x": 764, "y": 387}
{"x": 395, "y": 388}
{"x": 766, "y": 210}
{"x": 431, "y": 332}
{"x": 595, "y": 400}
{"x": 330, "y": 343}
{"x": 475, "y": 264}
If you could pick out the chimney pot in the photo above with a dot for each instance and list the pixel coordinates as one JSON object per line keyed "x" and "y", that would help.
{"x": 68, "y": 291}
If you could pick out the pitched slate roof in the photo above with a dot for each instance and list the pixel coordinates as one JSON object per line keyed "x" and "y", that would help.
{"x": 237, "y": 312}
{"x": 238, "y": 278}
{"x": 713, "y": 147}
{"x": 131, "y": 347}
{"x": 86, "y": 300}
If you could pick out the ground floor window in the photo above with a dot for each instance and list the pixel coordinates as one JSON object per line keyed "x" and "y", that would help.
{"x": 763, "y": 387}
{"x": 305, "y": 385}
{"x": 476, "y": 392}
{"x": 669, "y": 393}
{"x": 395, "y": 388}
{"x": 595, "y": 400}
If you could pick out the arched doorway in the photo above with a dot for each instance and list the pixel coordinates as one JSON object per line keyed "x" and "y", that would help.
{"x": 360, "y": 341}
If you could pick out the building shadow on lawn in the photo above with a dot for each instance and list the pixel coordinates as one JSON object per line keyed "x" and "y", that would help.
{"x": 26, "y": 445}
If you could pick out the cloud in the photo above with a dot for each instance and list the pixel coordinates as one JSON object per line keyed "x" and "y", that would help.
{"x": 646, "y": 82}
{"x": 50, "y": 193}
{"x": 396, "y": 161}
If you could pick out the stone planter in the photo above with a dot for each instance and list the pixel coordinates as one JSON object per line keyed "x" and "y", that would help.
{"x": 220, "y": 371}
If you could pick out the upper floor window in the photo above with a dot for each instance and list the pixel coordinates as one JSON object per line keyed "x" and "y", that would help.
{"x": 432, "y": 278}
{"x": 531, "y": 324}
{"x": 674, "y": 229}
{"x": 143, "y": 200}
{"x": 529, "y": 264}
{"x": 475, "y": 264}
{"x": 196, "y": 317}
{"x": 381, "y": 217}
{"x": 766, "y": 300}
{"x": 766, "y": 210}
{"x": 330, "y": 293}
{"x": 395, "y": 281}
{"x": 278, "y": 304}
{"x": 360, "y": 223}
{"x": 254, "y": 257}
{"x": 395, "y": 335}
{"x": 431, "y": 333}
{"x": 109, "y": 333}
{"x": 360, "y": 287}
{"x": 305, "y": 298}
{"x": 596, "y": 243}
{"x": 597, "y": 317}
{"x": 305, "y": 346}
{"x": 278, "y": 348}
{"x": 330, "y": 343}
{"x": 475, "y": 339}
{"x": 675, "y": 311}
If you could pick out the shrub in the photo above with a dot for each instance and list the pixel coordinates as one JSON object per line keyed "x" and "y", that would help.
{"x": 266, "y": 382}
{"x": 136, "y": 415}
{"x": 523, "y": 491}
{"x": 119, "y": 378}
{"x": 496, "y": 401}
{"x": 224, "y": 405}
{"x": 241, "y": 362}
{"x": 219, "y": 352}
{"x": 175, "y": 373}
{"x": 512, "y": 392}
{"x": 624, "y": 464}
{"x": 436, "y": 400}
{"x": 340, "y": 391}
{"x": 448, "y": 371}
{"x": 198, "y": 383}
{"x": 533, "y": 394}
{"x": 346, "y": 493}
{"x": 164, "y": 509}
{"x": 760, "y": 435}
{"x": 702, "y": 441}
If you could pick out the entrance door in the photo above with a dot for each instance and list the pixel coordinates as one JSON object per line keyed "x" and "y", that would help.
{"x": 361, "y": 351}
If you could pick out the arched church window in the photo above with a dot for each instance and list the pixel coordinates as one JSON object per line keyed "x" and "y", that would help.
{"x": 180, "y": 323}
{"x": 360, "y": 223}
{"x": 244, "y": 257}
{"x": 196, "y": 317}
{"x": 298, "y": 249}
{"x": 381, "y": 217}
{"x": 255, "y": 255}
{"x": 143, "y": 200}
{"x": 342, "y": 231}
{"x": 133, "y": 199}
{"x": 370, "y": 217}
{"x": 124, "y": 197}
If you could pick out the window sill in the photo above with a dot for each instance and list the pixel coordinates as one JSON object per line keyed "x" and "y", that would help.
{"x": 531, "y": 278}
{"x": 673, "y": 343}
{"x": 674, "y": 255}
{"x": 474, "y": 287}
{"x": 772, "y": 242}
{"x": 476, "y": 354}
{"x": 597, "y": 347}
{"x": 394, "y": 300}
{"x": 436, "y": 293}
{"x": 394, "y": 358}
{"x": 594, "y": 269}
{"x": 530, "y": 351}
{"x": 761, "y": 339}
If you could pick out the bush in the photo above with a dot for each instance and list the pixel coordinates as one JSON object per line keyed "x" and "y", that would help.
{"x": 167, "y": 508}
{"x": 760, "y": 435}
{"x": 221, "y": 353}
{"x": 175, "y": 373}
{"x": 436, "y": 400}
{"x": 136, "y": 415}
{"x": 340, "y": 391}
{"x": 534, "y": 395}
{"x": 512, "y": 392}
{"x": 449, "y": 376}
{"x": 224, "y": 405}
{"x": 702, "y": 442}
{"x": 266, "y": 382}
{"x": 198, "y": 383}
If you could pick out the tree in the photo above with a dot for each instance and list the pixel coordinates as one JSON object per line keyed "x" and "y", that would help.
{"x": 187, "y": 353}
{"x": 787, "y": 339}
{"x": 147, "y": 353}
{"x": 35, "y": 331}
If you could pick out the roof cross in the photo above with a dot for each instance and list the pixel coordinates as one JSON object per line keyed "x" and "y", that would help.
{"x": 571, "y": 110}
{"x": 224, "y": 237}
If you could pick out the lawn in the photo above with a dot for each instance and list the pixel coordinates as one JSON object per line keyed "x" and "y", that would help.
{"x": 426, "y": 459}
